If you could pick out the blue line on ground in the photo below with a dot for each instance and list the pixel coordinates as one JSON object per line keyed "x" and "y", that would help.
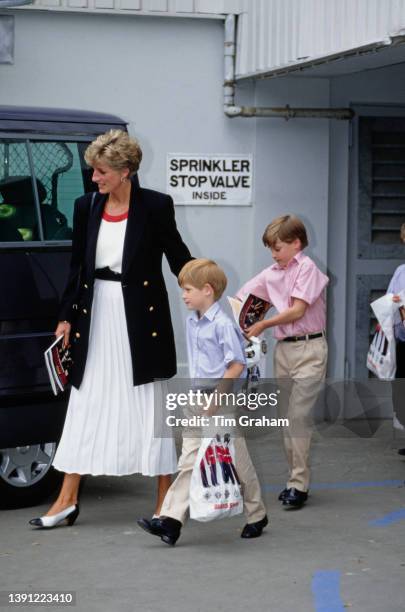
{"x": 326, "y": 591}
{"x": 345, "y": 485}
{"x": 388, "y": 519}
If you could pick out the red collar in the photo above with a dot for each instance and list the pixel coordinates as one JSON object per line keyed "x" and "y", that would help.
{"x": 115, "y": 218}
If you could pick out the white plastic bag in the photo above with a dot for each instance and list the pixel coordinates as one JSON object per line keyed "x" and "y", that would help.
{"x": 215, "y": 490}
{"x": 381, "y": 357}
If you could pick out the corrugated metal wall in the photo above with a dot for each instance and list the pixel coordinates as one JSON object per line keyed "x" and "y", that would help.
{"x": 276, "y": 33}
{"x": 142, "y": 7}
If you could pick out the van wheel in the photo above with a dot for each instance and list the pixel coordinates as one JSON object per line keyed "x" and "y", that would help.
{"x": 26, "y": 475}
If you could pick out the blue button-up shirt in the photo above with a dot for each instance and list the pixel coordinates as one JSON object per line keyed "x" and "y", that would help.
{"x": 396, "y": 285}
{"x": 213, "y": 343}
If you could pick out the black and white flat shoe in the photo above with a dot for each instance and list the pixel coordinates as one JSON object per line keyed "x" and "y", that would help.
{"x": 69, "y": 515}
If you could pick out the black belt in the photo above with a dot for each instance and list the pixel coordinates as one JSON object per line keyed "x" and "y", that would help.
{"x": 306, "y": 337}
{"x": 107, "y": 274}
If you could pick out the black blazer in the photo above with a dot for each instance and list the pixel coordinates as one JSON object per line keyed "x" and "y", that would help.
{"x": 151, "y": 231}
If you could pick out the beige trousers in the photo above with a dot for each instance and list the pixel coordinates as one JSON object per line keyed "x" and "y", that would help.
{"x": 300, "y": 368}
{"x": 176, "y": 502}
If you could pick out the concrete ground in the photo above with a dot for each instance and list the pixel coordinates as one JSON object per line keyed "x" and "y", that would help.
{"x": 344, "y": 549}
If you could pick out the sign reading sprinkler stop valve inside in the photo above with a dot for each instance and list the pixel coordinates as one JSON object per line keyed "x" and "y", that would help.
{"x": 210, "y": 179}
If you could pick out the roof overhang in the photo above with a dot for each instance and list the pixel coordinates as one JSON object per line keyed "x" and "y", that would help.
{"x": 372, "y": 55}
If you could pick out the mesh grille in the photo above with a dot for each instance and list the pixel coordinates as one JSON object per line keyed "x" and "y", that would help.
{"x": 50, "y": 160}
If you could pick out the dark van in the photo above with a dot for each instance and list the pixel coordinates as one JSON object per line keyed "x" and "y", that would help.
{"x": 42, "y": 171}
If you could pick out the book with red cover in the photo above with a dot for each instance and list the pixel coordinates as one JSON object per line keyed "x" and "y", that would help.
{"x": 250, "y": 311}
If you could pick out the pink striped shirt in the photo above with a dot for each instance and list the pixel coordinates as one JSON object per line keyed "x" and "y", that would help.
{"x": 300, "y": 279}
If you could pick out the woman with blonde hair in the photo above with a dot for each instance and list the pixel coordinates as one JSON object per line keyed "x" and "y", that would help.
{"x": 115, "y": 313}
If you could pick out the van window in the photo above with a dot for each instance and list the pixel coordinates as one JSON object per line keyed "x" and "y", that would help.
{"x": 39, "y": 182}
{"x": 17, "y": 202}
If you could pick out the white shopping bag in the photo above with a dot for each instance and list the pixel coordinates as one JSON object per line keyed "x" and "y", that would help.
{"x": 381, "y": 357}
{"x": 215, "y": 490}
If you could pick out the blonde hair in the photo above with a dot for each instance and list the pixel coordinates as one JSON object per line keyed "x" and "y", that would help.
{"x": 116, "y": 149}
{"x": 199, "y": 272}
{"x": 286, "y": 228}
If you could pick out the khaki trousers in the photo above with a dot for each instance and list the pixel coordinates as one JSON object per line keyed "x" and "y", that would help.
{"x": 300, "y": 368}
{"x": 176, "y": 502}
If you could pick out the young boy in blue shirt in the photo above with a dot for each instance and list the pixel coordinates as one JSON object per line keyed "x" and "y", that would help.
{"x": 215, "y": 351}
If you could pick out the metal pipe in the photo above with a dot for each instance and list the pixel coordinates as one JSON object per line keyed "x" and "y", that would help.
{"x": 231, "y": 110}
{"x": 229, "y": 60}
{"x": 289, "y": 113}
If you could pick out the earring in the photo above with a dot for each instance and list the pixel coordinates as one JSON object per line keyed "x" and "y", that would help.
{"x": 123, "y": 179}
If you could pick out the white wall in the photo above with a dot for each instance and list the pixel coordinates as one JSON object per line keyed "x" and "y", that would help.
{"x": 163, "y": 75}
{"x": 292, "y": 167}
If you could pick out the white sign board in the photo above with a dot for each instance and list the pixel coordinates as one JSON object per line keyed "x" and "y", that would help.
{"x": 210, "y": 179}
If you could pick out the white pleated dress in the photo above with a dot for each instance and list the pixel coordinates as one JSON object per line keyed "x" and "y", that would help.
{"x": 110, "y": 424}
